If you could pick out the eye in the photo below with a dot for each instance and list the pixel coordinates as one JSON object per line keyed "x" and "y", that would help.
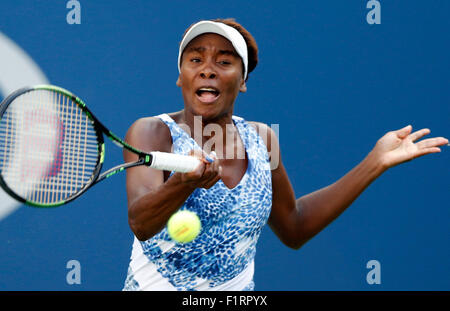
{"x": 225, "y": 62}
{"x": 195, "y": 60}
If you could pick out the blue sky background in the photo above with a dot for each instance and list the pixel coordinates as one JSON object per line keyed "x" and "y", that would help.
{"x": 332, "y": 82}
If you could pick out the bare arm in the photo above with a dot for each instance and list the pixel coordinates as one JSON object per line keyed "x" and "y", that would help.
{"x": 151, "y": 199}
{"x": 318, "y": 209}
{"x": 295, "y": 221}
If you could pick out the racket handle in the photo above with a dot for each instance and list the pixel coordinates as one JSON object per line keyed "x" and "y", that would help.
{"x": 173, "y": 162}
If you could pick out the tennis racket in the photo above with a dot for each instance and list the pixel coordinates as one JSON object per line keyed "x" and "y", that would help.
{"x": 52, "y": 148}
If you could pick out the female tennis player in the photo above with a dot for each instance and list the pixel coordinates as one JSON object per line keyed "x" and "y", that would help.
{"x": 239, "y": 192}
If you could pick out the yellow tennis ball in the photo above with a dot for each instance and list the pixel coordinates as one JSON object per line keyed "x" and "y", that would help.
{"x": 184, "y": 226}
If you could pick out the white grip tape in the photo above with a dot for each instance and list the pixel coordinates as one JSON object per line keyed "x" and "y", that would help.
{"x": 173, "y": 162}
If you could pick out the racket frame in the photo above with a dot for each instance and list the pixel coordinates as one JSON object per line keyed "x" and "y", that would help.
{"x": 100, "y": 130}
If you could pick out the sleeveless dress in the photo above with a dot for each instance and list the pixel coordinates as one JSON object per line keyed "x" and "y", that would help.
{"x": 222, "y": 256}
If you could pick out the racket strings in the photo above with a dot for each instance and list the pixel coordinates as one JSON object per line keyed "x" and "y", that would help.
{"x": 48, "y": 147}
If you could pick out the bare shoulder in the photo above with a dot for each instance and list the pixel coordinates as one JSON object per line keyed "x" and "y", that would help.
{"x": 149, "y": 134}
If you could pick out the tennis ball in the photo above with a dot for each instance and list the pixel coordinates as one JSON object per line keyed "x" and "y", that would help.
{"x": 184, "y": 226}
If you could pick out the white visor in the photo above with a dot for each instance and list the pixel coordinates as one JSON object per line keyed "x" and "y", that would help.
{"x": 226, "y": 31}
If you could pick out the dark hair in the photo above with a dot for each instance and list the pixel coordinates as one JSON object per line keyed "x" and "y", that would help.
{"x": 252, "y": 47}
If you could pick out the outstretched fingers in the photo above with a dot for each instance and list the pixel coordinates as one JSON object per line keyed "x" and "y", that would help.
{"x": 419, "y": 134}
{"x": 434, "y": 142}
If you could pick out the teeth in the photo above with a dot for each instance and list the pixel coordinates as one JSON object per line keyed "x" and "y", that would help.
{"x": 207, "y": 89}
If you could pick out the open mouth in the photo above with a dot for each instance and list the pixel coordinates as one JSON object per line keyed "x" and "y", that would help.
{"x": 207, "y": 94}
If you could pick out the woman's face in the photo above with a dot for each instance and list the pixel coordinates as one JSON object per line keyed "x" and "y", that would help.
{"x": 211, "y": 76}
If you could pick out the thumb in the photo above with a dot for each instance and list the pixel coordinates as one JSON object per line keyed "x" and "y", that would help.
{"x": 402, "y": 133}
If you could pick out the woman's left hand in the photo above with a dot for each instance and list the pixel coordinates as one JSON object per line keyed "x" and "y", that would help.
{"x": 399, "y": 146}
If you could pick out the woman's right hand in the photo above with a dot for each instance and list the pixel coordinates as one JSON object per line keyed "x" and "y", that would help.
{"x": 206, "y": 174}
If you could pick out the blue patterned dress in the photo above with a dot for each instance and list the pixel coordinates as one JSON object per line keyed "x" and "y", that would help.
{"x": 222, "y": 256}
